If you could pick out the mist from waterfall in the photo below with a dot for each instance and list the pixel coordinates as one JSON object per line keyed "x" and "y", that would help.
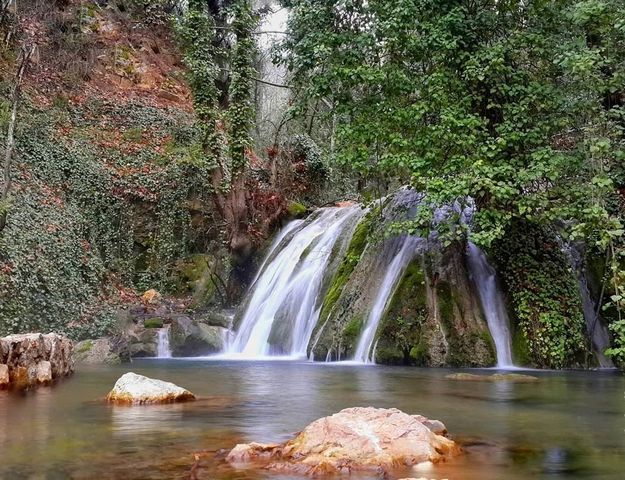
{"x": 394, "y": 272}
{"x": 284, "y": 302}
{"x": 493, "y": 304}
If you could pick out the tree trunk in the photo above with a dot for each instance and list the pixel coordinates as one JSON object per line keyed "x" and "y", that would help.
{"x": 10, "y": 140}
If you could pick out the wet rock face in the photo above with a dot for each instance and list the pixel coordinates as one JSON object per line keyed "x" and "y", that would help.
{"x": 133, "y": 389}
{"x": 32, "y": 359}
{"x": 191, "y": 338}
{"x": 355, "y": 439}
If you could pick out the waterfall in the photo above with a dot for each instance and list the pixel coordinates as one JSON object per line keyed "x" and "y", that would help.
{"x": 596, "y": 329}
{"x": 284, "y": 302}
{"x": 391, "y": 278}
{"x": 163, "y": 350}
{"x": 493, "y": 304}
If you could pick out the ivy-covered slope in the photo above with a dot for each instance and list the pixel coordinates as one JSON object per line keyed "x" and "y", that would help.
{"x": 544, "y": 297}
{"x": 108, "y": 197}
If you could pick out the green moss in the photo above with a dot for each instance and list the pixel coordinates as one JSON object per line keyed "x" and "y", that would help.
{"x": 400, "y": 339}
{"x": 296, "y": 210}
{"x": 153, "y": 323}
{"x": 419, "y": 353}
{"x": 352, "y": 257}
{"x": 445, "y": 304}
{"x": 194, "y": 275}
{"x": 352, "y": 330}
{"x": 520, "y": 349}
{"x": 466, "y": 348}
{"x": 85, "y": 347}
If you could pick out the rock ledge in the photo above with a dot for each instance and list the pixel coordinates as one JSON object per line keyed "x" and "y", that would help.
{"x": 32, "y": 359}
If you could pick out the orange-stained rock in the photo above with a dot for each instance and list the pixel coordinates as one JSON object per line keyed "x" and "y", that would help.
{"x": 151, "y": 296}
{"x": 133, "y": 389}
{"x": 35, "y": 358}
{"x": 355, "y": 439}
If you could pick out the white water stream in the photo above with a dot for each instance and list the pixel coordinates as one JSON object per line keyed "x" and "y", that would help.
{"x": 493, "y": 304}
{"x": 284, "y": 304}
{"x": 163, "y": 349}
{"x": 391, "y": 279}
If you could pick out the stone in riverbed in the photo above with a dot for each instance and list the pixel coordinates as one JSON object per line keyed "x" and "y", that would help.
{"x": 497, "y": 377}
{"x": 133, "y": 389}
{"x": 355, "y": 439}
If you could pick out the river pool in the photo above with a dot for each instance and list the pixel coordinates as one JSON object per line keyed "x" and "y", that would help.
{"x": 568, "y": 425}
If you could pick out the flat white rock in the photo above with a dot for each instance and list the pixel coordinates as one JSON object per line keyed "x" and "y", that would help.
{"x": 133, "y": 389}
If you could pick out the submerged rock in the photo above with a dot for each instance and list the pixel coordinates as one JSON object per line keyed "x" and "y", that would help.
{"x": 133, "y": 389}
{"x": 497, "y": 377}
{"x": 355, "y": 439}
{"x": 33, "y": 359}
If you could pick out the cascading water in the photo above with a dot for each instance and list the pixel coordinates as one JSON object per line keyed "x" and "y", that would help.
{"x": 284, "y": 304}
{"x": 163, "y": 350}
{"x": 493, "y": 304}
{"x": 394, "y": 272}
{"x": 596, "y": 329}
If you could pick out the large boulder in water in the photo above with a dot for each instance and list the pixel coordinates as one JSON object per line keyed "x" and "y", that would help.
{"x": 34, "y": 359}
{"x": 133, "y": 389}
{"x": 355, "y": 439}
{"x": 143, "y": 342}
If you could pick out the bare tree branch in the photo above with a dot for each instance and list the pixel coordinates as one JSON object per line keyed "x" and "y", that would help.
{"x": 10, "y": 140}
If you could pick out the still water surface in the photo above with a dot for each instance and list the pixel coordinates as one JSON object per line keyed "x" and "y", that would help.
{"x": 569, "y": 425}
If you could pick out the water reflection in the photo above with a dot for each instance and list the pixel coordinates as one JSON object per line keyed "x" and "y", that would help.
{"x": 567, "y": 425}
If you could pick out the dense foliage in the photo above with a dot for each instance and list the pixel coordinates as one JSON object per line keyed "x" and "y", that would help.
{"x": 518, "y": 107}
{"x": 544, "y": 296}
{"x": 78, "y": 227}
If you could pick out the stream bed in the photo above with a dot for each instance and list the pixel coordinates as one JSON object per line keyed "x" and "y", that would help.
{"x": 568, "y": 425}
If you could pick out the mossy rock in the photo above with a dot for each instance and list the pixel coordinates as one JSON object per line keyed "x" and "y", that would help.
{"x": 399, "y": 334}
{"x": 296, "y": 210}
{"x": 194, "y": 274}
{"x": 153, "y": 323}
{"x": 190, "y": 338}
{"x": 99, "y": 351}
{"x": 83, "y": 347}
{"x": 353, "y": 254}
